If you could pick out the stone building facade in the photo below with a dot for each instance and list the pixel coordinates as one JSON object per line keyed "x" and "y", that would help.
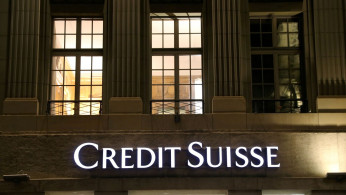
{"x": 172, "y": 97}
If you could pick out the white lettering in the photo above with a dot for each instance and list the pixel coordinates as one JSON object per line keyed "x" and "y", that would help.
{"x": 270, "y": 156}
{"x": 139, "y": 157}
{"x": 76, "y": 156}
{"x": 209, "y": 158}
{"x": 258, "y": 157}
{"x": 124, "y": 157}
{"x": 173, "y": 149}
{"x": 109, "y": 158}
{"x": 196, "y": 154}
{"x": 240, "y": 155}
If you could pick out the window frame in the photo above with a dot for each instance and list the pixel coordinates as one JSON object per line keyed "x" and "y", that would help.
{"x": 78, "y": 52}
{"x": 275, "y": 51}
{"x": 177, "y": 51}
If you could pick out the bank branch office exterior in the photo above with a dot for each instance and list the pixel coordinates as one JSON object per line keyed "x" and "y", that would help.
{"x": 188, "y": 97}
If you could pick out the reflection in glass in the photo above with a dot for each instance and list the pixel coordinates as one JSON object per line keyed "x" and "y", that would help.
{"x": 96, "y": 92}
{"x": 71, "y": 26}
{"x": 196, "y": 40}
{"x": 157, "y": 92}
{"x": 86, "y": 41}
{"x": 196, "y": 62}
{"x": 156, "y": 62}
{"x": 86, "y": 26}
{"x": 156, "y": 41}
{"x": 168, "y": 77}
{"x": 184, "y": 92}
{"x": 184, "y": 41}
{"x": 168, "y": 26}
{"x": 59, "y": 27}
{"x": 294, "y": 40}
{"x": 283, "y": 61}
{"x": 184, "y": 76}
{"x": 156, "y": 26}
{"x": 85, "y": 77}
{"x": 169, "y": 62}
{"x": 70, "y": 77}
{"x": 184, "y": 26}
{"x": 168, "y": 41}
{"x": 195, "y": 26}
{"x": 168, "y": 92}
{"x": 69, "y": 92}
{"x": 184, "y": 62}
{"x": 70, "y": 42}
{"x": 282, "y": 40}
{"x": 85, "y": 93}
{"x": 98, "y": 27}
{"x": 96, "y": 78}
{"x": 97, "y": 41}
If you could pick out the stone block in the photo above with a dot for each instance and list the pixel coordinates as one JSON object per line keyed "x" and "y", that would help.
{"x": 331, "y": 104}
{"x": 20, "y": 106}
{"x": 125, "y": 105}
{"x": 235, "y": 121}
{"x": 229, "y": 104}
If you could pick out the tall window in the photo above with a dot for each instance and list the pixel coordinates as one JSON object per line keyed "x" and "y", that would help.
{"x": 76, "y": 73}
{"x": 177, "y": 64}
{"x": 277, "y": 65}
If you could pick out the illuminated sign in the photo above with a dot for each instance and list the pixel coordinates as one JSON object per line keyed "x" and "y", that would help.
{"x": 132, "y": 158}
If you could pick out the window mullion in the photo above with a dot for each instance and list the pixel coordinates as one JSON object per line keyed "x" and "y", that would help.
{"x": 78, "y": 65}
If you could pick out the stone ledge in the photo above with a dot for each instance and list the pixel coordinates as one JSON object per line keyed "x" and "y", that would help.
{"x": 125, "y": 105}
{"x": 331, "y": 104}
{"x": 20, "y": 106}
{"x": 229, "y": 104}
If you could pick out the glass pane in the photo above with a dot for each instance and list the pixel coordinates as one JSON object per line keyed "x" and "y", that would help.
{"x": 57, "y": 78}
{"x": 70, "y": 42}
{"x": 284, "y": 76}
{"x": 184, "y": 41}
{"x": 70, "y": 77}
{"x": 294, "y": 61}
{"x": 70, "y": 63}
{"x": 257, "y": 106}
{"x": 57, "y": 93}
{"x": 156, "y": 77}
{"x": 85, "y": 77}
{"x": 297, "y": 91}
{"x": 184, "y": 92}
{"x": 168, "y": 26}
{"x": 255, "y": 40}
{"x": 184, "y": 62}
{"x": 71, "y": 26}
{"x": 257, "y": 91}
{"x": 157, "y": 108}
{"x": 268, "y": 76}
{"x": 195, "y": 26}
{"x": 86, "y": 41}
{"x": 58, "y": 42}
{"x": 168, "y": 77}
{"x": 85, "y": 63}
{"x": 98, "y": 27}
{"x": 97, "y": 41}
{"x": 168, "y": 41}
{"x": 58, "y": 63}
{"x": 169, "y": 62}
{"x": 59, "y": 27}
{"x": 283, "y": 61}
{"x": 86, "y": 26}
{"x": 168, "y": 92}
{"x": 184, "y": 26}
{"x": 293, "y": 26}
{"x": 85, "y": 93}
{"x": 294, "y": 40}
{"x": 156, "y": 26}
{"x": 255, "y": 25}
{"x": 56, "y": 108}
{"x": 69, "y": 93}
{"x": 84, "y": 108}
{"x": 196, "y": 92}
{"x": 96, "y": 77}
{"x": 282, "y": 26}
{"x": 285, "y": 92}
{"x": 269, "y": 92}
{"x": 97, "y": 63}
{"x": 96, "y": 92}
{"x": 196, "y": 76}
{"x": 184, "y": 77}
{"x": 196, "y": 41}
{"x": 196, "y": 62}
{"x": 282, "y": 40}
{"x": 185, "y": 107}
{"x": 267, "y": 40}
{"x": 269, "y": 106}
{"x": 68, "y": 108}
{"x": 266, "y": 25}
{"x": 156, "y": 62}
{"x": 268, "y": 61}
{"x": 256, "y": 61}
{"x": 95, "y": 108}
{"x": 295, "y": 77}
{"x": 156, "y": 41}
{"x": 257, "y": 76}
{"x": 156, "y": 92}
{"x": 168, "y": 108}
